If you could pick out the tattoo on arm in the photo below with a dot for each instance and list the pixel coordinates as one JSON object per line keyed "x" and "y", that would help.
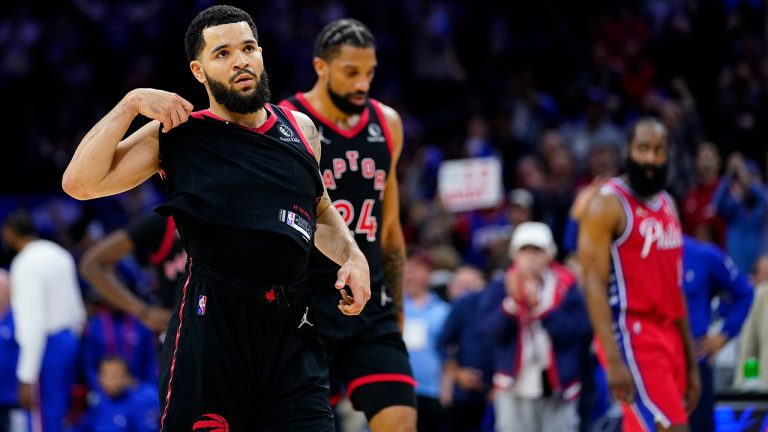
{"x": 393, "y": 261}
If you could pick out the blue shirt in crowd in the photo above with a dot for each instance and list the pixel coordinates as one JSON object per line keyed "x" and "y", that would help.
{"x": 137, "y": 410}
{"x": 9, "y": 357}
{"x": 472, "y": 349}
{"x": 745, "y": 224}
{"x": 119, "y": 335}
{"x": 707, "y": 273}
{"x": 423, "y": 324}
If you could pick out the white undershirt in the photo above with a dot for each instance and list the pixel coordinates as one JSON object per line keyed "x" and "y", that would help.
{"x": 45, "y": 299}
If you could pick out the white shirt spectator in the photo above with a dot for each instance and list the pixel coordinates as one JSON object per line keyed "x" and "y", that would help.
{"x": 45, "y": 299}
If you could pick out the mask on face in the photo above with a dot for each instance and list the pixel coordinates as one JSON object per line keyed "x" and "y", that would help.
{"x": 646, "y": 179}
{"x": 343, "y": 103}
{"x": 239, "y": 102}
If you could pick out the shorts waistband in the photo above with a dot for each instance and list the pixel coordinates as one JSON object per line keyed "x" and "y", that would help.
{"x": 205, "y": 271}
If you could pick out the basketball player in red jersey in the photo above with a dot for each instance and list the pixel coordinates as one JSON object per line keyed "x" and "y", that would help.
{"x": 361, "y": 140}
{"x": 630, "y": 246}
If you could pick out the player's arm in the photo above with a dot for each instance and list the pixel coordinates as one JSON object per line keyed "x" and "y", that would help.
{"x": 334, "y": 240}
{"x": 103, "y": 164}
{"x": 392, "y": 240}
{"x": 602, "y": 219}
{"x": 97, "y": 267}
{"x": 736, "y": 296}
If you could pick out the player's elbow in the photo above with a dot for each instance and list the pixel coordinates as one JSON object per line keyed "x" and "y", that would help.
{"x": 75, "y": 187}
{"x": 71, "y": 186}
{"x": 90, "y": 265}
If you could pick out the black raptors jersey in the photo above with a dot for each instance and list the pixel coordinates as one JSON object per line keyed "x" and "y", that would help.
{"x": 354, "y": 165}
{"x": 258, "y": 179}
{"x": 157, "y": 244}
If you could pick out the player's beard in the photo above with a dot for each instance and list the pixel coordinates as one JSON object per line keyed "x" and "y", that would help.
{"x": 343, "y": 102}
{"x": 646, "y": 179}
{"x": 238, "y": 101}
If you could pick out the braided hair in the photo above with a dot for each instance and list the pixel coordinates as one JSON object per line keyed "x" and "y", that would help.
{"x": 340, "y": 32}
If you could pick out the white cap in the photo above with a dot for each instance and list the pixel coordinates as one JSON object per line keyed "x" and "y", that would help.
{"x": 532, "y": 234}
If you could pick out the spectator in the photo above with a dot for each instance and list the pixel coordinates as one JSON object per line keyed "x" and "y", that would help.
{"x": 710, "y": 274}
{"x": 533, "y": 111}
{"x": 558, "y": 194}
{"x": 9, "y": 354}
{"x": 698, "y": 212}
{"x": 520, "y": 206}
{"x": 754, "y": 335}
{"x": 481, "y": 230}
{"x": 594, "y": 128}
{"x": 741, "y": 200}
{"x": 48, "y": 313}
{"x": 122, "y": 405}
{"x": 466, "y": 355}
{"x": 425, "y": 315}
{"x": 603, "y": 161}
{"x": 519, "y": 209}
{"x": 110, "y": 333}
{"x": 741, "y": 109}
{"x": 679, "y": 116}
{"x": 539, "y": 330}
{"x": 466, "y": 280}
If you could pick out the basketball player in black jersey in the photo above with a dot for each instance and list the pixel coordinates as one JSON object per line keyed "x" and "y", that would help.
{"x": 361, "y": 139}
{"x": 153, "y": 240}
{"x": 242, "y": 177}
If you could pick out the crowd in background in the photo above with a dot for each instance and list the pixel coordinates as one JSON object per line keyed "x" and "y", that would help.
{"x": 548, "y": 87}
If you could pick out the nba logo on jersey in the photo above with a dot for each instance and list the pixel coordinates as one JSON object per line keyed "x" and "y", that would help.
{"x": 201, "y": 301}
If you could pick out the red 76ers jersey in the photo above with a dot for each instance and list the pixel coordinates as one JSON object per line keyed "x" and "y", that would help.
{"x": 646, "y": 260}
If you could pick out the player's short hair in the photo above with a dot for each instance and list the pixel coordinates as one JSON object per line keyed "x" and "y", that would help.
{"x": 20, "y": 222}
{"x": 643, "y": 120}
{"x": 346, "y": 31}
{"x": 213, "y": 16}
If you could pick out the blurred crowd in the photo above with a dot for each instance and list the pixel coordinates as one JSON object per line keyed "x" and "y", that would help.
{"x": 549, "y": 88}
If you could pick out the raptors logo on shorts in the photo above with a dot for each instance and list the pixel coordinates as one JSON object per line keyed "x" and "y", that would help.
{"x": 210, "y": 423}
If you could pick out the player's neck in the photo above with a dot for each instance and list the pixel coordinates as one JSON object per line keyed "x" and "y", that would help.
{"x": 251, "y": 120}
{"x": 319, "y": 99}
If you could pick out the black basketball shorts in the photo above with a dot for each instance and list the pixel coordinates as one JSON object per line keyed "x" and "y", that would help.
{"x": 242, "y": 357}
{"x": 366, "y": 354}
